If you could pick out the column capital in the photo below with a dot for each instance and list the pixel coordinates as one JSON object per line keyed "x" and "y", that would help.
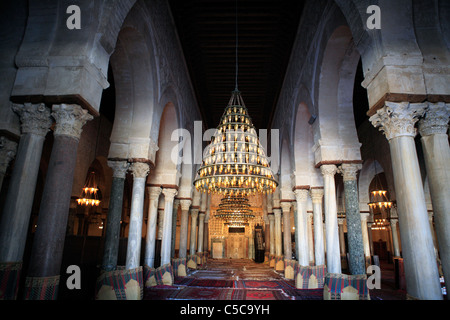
{"x": 397, "y": 119}
{"x": 154, "y": 192}
{"x": 435, "y": 120}
{"x": 119, "y": 168}
{"x": 393, "y": 222}
{"x": 139, "y": 169}
{"x": 364, "y": 216}
{"x": 317, "y": 195}
{"x": 169, "y": 194}
{"x": 285, "y": 207}
{"x": 70, "y": 119}
{"x": 35, "y": 118}
{"x": 301, "y": 195}
{"x": 328, "y": 169}
{"x": 194, "y": 213}
{"x": 271, "y": 217}
{"x": 349, "y": 171}
{"x": 185, "y": 204}
{"x": 277, "y": 212}
{"x": 341, "y": 220}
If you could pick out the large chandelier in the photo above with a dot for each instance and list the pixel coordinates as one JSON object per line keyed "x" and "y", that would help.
{"x": 379, "y": 205}
{"x": 91, "y": 195}
{"x": 234, "y": 209}
{"x": 234, "y": 163}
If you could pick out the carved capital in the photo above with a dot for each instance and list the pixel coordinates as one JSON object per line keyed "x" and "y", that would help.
{"x": 328, "y": 169}
{"x": 154, "y": 192}
{"x": 301, "y": 195}
{"x": 194, "y": 213}
{"x": 277, "y": 213}
{"x": 285, "y": 207}
{"x": 317, "y": 195}
{"x": 271, "y": 217}
{"x": 185, "y": 204}
{"x": 70, "y": 119}
{"x": 169, "y": 194}
{"x": 35, "y": 118}
{"x": 349, "y": 171}
{"x": 397, "y": 119}
{"x": 139, "y": 169}
{"x": 119, "y": 168}
{"x": 435, "y": 120}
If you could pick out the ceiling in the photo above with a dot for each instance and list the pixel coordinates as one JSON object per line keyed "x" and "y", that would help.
{"x": 266, "y": 33}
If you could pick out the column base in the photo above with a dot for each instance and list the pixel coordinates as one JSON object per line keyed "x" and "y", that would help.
{"x": 345, "y": 287}
{"x": 279, "y": 263}
{"x": 120, "y": 284}
{"x": 9, "y": 279}
{"x": 41, "y": 288}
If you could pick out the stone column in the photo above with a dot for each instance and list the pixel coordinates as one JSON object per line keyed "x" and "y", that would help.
{"x": 309, "y": 226}
{"x": 341, "y": 238}
{"x": 8, "y": 150}
{"x": 48, "y": 243}
{"x": 319, "y": 250}
{"x": 185, "y": 205}
{"x": 169, "y": 195}
{"x": 286, "y": 208}
{"x": 201, "y": 220}
{"x": 150, "y": 240}
{"x": 331, "y": 223}
{"x": 272, "y": 233}
{"x": 395, "y": 237}
{"x": 140, "y": 171}
{"x": 176, "y": 204}
{"x": 397, "y": 121}
{"x": 433, "y": 129}
{"x": 302, "y": 197}
{"x": 357, "y": 264}
{"x": 278, "y": 248}
{"x": 36, "y": 121}
{"x": 365, "y": 236}
{"x": 194, "y": 215}
{"x": 112, "y": 236}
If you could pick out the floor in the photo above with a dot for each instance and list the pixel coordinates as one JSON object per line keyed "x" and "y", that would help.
{"x": 243, "y": 279}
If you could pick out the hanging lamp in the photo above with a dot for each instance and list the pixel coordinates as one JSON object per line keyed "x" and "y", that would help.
{"x": 91, "y": 194}
{"x": 234, "y": 163}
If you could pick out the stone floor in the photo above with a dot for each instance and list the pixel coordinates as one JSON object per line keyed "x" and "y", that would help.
{"x": 243, "y": 279}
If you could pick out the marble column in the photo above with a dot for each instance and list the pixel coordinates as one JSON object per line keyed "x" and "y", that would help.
{"x": 278, "y": 248}
{"x": 169, "y": 195}
{"x": 140, "y": 171}
{"x": 302, "y": 220}
{"x": 150, "y": 240}
{"x": 201, "y": 220}
{"x": 194, "y": 216}
{"x": 271, "y": 217}
{"x": 394, "y": 231}
{"x": 185, "y": 205}
{"x": 112, "y": 236}
{"x": 331, "y": 223}
{"x": 36, "y": 121}
{"x": 357, "y": 264}
{"x": 286, "y": 209}
{"x": 309, "y": 226}
{"x": 319, "y": 250}
{"x": 397, "y": 120}
{"x": 433, "y": 129}
{"x": 342, "y": 250}
{"x": 176, "y": 204}
{"x": 48, "y": 243}
{"x": 365, "y": 236}
{"x": 8, "y": 150}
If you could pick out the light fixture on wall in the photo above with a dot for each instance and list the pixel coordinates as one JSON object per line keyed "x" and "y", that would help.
{"x": 91, "y": 194}
{"x": 234, "y": 163}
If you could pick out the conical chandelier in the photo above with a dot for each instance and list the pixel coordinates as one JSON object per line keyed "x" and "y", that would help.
{"x": 234, "y": 163}
{"x": 234, "y": 208}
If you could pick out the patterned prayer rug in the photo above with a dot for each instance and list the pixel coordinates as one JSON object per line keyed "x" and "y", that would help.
{"x": 264, "y": 284}
{"x": 247, "y": 294}
{"x": 193, "y": 293}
